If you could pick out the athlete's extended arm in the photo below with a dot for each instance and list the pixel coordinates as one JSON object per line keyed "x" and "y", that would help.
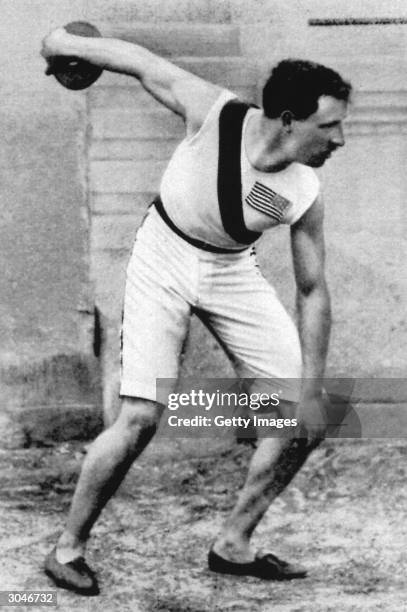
{"x": 182, "y": 92}
{"x": 314, "y": 312}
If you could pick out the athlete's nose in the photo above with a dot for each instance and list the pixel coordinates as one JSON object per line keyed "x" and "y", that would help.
{"x": 338, "y": 138}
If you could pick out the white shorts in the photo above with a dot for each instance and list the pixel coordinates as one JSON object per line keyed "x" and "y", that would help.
{"x": 168, "y": 279}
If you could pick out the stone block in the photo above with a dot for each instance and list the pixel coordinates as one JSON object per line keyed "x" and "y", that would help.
{"x": 121, "y": 203}
{"x": 137, "y": 149}
{"x": 115, "y": 231}
{"x": 125, "y": 176}
{"x": 136, "y": 11}
{"x": 109, "y": 274}
{"x": 135, "y": 124}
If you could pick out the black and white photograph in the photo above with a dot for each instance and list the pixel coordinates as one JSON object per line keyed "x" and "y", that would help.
{"x": 203, "y": 292}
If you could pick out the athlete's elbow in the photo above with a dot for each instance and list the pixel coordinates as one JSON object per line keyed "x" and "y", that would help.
{"x": 316, "y": 294}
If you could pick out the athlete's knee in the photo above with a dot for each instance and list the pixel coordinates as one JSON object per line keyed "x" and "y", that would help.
{"x": 139, "y": 416}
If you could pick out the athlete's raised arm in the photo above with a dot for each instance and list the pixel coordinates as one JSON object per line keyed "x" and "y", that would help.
{"x": 179, "y": 90}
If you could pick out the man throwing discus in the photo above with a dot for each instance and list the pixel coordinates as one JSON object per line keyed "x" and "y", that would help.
{"x": 239, "y": 170}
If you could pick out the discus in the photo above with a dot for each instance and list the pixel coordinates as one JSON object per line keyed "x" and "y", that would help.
{"x": 73, "y": 72}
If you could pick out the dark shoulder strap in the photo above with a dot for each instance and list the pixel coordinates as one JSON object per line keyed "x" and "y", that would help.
{"x": 229, "y": 172}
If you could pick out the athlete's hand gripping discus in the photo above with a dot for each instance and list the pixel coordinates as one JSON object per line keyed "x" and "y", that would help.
{"x": 73, "y": 72}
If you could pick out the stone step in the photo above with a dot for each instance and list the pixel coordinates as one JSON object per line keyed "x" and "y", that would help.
{"x": 367, "y": 73}
{"x": 134, "y": 124}
{"x": 189, "y": 11}
{"x": 109, "y": 274}
{"x": 361, "y": 8}
{"x": 177, "y": 39}
{"x": 359, "y": 41}
{"x": 136, "y": 149}
{"x": 115, "y": 232}
{"x": 125, "y": 176}
{"x": 120, "y": 203}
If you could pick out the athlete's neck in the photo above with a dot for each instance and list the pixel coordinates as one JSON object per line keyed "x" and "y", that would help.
{"x": 264, "y": 144}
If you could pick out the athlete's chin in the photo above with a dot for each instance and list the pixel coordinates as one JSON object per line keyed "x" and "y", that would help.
{"x": 317, "y": 162}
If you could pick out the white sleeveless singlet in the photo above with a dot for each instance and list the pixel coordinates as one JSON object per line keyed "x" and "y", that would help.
{"x": 189, "y": 187}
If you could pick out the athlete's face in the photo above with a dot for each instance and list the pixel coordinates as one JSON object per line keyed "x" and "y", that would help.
{"x": 321, "y": 133}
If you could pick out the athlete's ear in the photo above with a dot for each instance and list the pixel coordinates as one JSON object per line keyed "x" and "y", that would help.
{"x": 287, "y": 119}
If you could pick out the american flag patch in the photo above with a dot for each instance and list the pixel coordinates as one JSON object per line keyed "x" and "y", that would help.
{"x": 267, "y": 201}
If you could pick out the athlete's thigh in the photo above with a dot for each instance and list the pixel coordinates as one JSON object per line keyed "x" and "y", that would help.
{"x": 156, "y": 316}
{"x": 255, "y": 328}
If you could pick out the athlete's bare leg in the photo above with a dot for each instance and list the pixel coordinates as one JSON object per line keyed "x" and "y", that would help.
{"x": 106, "y": 464}
{"x": 274, "y": 464}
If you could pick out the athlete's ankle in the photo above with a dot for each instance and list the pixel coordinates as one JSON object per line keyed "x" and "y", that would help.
{"x": 233, "y": 548}
{"x": 69, "y": 547}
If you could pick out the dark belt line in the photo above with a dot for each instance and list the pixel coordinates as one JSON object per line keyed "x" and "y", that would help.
{"x": 200, "y": 244}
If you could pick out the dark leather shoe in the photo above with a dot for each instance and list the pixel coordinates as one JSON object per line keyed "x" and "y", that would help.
{"x": 75, "y": 575}
{"x": 267, "y": 567}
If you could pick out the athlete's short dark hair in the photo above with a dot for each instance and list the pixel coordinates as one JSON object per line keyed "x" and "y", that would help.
{"x": 296, "y": 85}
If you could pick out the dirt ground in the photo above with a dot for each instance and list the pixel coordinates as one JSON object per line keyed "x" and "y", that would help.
{"x": 343, "y": 517}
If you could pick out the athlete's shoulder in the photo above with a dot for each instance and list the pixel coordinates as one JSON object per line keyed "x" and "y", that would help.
{"x": 208, "y": 109}
{"x": 308, "y": 177}
{"x": 307, "y": 189}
